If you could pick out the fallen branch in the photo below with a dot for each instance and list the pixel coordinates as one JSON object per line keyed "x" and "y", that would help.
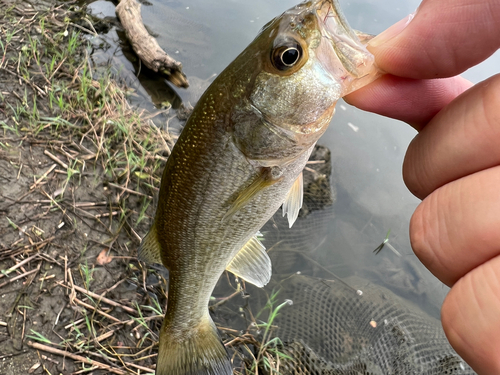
{"x": 19, "y": 277}
{"x": 145, "y": 46}
{"x": 100, "y": 298}
{"x": 79, "y": 358}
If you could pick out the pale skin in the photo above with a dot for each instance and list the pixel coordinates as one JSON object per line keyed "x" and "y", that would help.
{"x": 453, "y": 164}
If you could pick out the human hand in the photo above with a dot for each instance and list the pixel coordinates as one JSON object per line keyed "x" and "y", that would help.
{"x": 453, "y": 164}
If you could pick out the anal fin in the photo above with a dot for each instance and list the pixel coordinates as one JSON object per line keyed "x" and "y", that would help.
{"x": 252, "y": 263}
{"x": 150, "y": 250}
{"x": 293, "y": 200}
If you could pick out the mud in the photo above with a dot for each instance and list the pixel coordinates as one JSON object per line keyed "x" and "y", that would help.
{"x": 61, "y": 208}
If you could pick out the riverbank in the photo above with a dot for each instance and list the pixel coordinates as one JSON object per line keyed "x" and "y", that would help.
{"x": 78, "y": 172}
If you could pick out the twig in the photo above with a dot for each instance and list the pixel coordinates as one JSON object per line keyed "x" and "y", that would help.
{"x": 13, "y": 268}
{"x": 91, "y": 204}
{"x": 130, "y": 191}
{"x": 75, "y": 357}
{"x": 35, "y": 244}
{"x": 72, "y": 294}
{"x": 84, "y": 29}
{"x": 56, "y": 159}
{"x": 18, "y": 277}
{"x": 57, "y": 68}
{"x": 147, "y": 369}
{"x": 33, "y": 86}
{"x": 87, "y": 306}
{"x": 13, "y": 354}
{"x": 43, "y": 176}
{"x": 99, "y": 297}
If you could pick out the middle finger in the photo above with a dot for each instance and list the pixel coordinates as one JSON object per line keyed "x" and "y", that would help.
{"x": 461, "y": 139}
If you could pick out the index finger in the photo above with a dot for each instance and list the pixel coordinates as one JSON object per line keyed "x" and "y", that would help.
{"x": 444, "y": 38}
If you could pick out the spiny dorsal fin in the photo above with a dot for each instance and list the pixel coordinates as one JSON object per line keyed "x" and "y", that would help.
{"x": 293, "y": 200}
{"x": 264, "y": 179}
{"x": 150, "y": 251}
{"x": 252, "y": 263}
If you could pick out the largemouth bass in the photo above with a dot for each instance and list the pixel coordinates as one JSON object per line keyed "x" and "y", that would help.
{"x": 238, "y": 159}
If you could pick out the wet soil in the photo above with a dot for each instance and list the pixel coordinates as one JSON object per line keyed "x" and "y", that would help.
{"x": 68, "y": 221}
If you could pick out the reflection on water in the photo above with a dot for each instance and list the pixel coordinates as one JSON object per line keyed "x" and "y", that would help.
{"x": 366, "y": 150}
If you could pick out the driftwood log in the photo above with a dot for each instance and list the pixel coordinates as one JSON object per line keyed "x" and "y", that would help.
{"x": 145, "y": 46}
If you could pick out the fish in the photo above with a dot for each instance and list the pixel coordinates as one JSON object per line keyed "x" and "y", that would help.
{"x": 238, "y": 159}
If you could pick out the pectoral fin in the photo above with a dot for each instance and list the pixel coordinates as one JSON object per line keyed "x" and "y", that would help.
{"x": 263, "y": 180}
{"x": 150, "y": 250}
{"x": 252, "y": 263}
{"x": 293, "y": 200}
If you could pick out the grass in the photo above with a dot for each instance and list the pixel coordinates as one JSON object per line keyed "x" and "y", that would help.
{"x": 385, "y": 243}
{"x": 86, "y": 273}
{"x": 269, "y": 351}
{"x": 38, "y": 337}
{"x": 67, "y": 132}
{"x": 257, "y": 350}
{"x": 91, "y": 109}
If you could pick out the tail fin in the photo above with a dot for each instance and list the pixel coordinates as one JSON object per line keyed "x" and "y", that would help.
{"x": 201, "y": 352}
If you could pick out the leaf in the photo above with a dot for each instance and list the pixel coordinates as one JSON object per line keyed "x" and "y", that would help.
{"x": 142, "y": 175}
{"x": 103, "y": 258}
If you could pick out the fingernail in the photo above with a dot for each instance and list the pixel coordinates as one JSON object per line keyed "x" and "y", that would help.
{"x": 391, "y": 32}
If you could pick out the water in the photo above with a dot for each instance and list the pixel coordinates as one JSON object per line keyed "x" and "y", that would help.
{"x": 367, "y": 149}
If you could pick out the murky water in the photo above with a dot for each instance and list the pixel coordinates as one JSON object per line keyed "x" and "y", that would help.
{"x": 367, "y": 150}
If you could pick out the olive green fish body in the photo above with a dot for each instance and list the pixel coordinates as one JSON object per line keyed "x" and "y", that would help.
{"x": 238, "y": 159}
{"x": 202, "y": 179}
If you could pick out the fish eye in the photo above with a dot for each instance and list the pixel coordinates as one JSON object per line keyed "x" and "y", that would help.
{"x": 286, "y": 56}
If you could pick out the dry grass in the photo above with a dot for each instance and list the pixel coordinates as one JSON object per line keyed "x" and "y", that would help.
{"x": 79, "y": 169}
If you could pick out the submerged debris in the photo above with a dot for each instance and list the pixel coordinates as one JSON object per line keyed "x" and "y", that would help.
{"x": 146, "y": 46}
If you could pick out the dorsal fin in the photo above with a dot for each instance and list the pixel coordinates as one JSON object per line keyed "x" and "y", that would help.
{"x": 252, "y": 263}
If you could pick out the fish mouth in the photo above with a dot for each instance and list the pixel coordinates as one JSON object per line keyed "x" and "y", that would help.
{"x": 341, "y": 52}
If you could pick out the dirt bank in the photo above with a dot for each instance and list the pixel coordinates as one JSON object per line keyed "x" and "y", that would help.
{"x": 78, "y": 172}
